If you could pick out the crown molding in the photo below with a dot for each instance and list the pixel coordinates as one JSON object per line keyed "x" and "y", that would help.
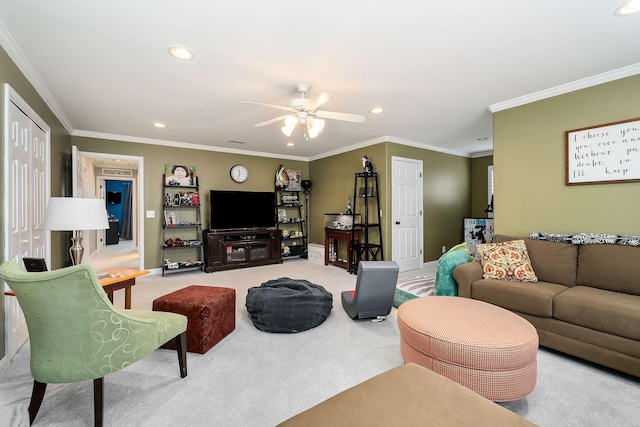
{"x": 482, "y": 154}
{"x": 179, "y": 144}
{"x": 10, "y": 46}
{"x": 427, "y": 147}
{"x": 392, "y": 139}
{"x": 607, "y": 77}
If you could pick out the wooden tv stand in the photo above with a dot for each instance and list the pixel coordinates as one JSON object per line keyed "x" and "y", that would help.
{"x": 226, "y": 250}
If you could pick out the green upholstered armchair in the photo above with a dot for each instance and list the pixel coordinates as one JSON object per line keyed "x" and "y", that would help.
{"x": 76, "y": 334}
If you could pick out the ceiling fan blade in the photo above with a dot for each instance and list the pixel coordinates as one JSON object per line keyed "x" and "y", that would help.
{"x": 317, "y": 100}
{"x": 355, "y": 118}
{"x": 269, "y": 105}
{"x": 268, "y": 122}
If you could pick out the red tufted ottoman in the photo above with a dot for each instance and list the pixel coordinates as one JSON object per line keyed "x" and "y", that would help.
{"x": 483, "y": 347}
{"x": 211, "y": 314}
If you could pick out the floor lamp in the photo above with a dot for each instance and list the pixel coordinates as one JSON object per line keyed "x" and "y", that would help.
{"x": 75, "y": 214}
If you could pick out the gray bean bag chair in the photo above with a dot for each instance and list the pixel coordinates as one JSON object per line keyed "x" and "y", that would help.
{"x": 288, "y": 305}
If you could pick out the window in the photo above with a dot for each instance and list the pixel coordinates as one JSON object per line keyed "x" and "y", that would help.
{"x": 490, "y": 184}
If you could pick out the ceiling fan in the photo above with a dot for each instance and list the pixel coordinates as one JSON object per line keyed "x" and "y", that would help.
{"x": 303, "y": 110}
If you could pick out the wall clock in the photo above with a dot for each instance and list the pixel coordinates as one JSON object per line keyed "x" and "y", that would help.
{"x": 239, "y": 173}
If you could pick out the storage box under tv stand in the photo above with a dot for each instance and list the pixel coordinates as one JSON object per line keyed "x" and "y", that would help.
{"x": 229, "y": 249}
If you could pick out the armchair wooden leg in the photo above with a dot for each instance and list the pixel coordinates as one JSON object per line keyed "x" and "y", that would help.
{"x": 98, "y": 401}
{"x": 36, "y": 399}
{"x": 181, "y": 346}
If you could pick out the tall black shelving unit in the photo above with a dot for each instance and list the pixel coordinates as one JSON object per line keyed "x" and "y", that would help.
{"x": 183, "y": 238}
{"x": 366, "y": 202}
{"x": 289, "y": 215}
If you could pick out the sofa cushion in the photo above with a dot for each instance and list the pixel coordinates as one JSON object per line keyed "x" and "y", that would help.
{"x": 610, "y": 312}
{"x": 611, "y": 267}
{"x": 535, "y": 299}
{"x": 506, "y": 261}
{"x": 553, "y": 262}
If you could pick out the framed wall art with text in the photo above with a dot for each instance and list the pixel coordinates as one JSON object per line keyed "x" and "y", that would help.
{"x": 608, "y": 153}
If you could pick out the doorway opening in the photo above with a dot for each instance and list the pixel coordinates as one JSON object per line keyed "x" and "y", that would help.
{"x": 102, "y": 175}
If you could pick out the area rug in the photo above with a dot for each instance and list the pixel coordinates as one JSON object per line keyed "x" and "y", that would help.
{"x": 413, "y": 287}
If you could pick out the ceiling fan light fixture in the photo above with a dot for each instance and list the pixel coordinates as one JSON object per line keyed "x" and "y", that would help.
{"x": 287, "y": 130}
{"x": 291, "y": 121}
{"x": 629, "y": 8}
{"x": 318, "y": 124}
{"x": 313, "y": 132}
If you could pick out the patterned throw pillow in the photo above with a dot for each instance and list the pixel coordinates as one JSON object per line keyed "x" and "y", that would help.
{"x": 506, "y": 261}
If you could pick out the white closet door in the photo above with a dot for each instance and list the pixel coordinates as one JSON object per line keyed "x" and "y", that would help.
{"x": 26, "y": 187}
{"x": 18, "y": 218}
{"x": 38, "y": 195}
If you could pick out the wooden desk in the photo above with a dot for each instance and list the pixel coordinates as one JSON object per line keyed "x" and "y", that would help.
{"x": 124, "y": 279}
{"x": 331, "y": 238}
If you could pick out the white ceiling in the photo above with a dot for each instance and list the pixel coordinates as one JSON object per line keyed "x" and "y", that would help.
{"x": 435, "y": 66}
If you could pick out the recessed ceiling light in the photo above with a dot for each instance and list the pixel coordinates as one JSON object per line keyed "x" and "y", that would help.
{"x": 181, "y": 52}
{"x": 290, "y": 144}
{"x": 629, "y": 8}
{"x": 377, "y": 110}
{"x": 159, "y": 125}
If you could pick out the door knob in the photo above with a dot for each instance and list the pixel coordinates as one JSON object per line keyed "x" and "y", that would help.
{"x": 397, "y": 222}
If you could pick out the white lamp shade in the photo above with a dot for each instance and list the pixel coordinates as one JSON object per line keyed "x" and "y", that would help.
{"x": 75, "y": 213}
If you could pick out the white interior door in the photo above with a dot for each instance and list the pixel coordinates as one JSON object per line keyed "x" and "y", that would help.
{"x": 406, "y": 219}
{"x": 26, "y": 187}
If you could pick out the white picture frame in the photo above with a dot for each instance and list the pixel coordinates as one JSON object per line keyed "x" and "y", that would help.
{"x": 171, "y": 218}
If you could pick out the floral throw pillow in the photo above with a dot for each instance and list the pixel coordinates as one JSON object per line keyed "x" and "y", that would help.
{"x": 506, "y": 261}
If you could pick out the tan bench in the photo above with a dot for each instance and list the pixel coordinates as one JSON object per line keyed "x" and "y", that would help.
{"x": 409, "y": 395}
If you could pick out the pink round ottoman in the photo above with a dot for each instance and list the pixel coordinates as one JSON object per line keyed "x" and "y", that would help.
{"x": 482, "y": 346}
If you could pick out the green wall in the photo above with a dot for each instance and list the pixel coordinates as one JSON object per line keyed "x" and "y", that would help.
{"x": 212, "y": 169}
{"x": 446, "y": 197}
{"x": 332, "y": 181}
{"x": 529, "y": 166}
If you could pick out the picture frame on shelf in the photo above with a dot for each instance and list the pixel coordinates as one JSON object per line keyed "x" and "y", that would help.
{"x": 295, "y": 180}
{"x": 171, "y": 218}
{"x": 189, "y": 198}
{"x": 282, "y": 216}
{"x": 180, "y": 175}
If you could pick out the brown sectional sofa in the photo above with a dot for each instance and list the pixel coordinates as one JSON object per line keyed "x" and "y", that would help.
{"x": 586, "y": 302}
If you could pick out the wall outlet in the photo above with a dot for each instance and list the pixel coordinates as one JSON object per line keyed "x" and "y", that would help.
{"x": 151, "y": 214}
{"x": 444, "y": 249}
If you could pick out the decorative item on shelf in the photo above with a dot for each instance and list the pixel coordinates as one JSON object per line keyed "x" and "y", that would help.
{"x": 189, "y": 198}
{"x": 282, "y": 178}
{"x": 171, "y": 218}
{"x": 290, "y": 200}
{"x": 306, "y": 186}
{"x": 168, "y": 200}
{"x": 285, "y": 234}
{"x": 75, "y": 214}
{"x": 367, "y": 166}
{"x": 349, "y": 211}
{"x": 489, "y": 209}
{"x": 180, "y": 175}
{"x": 282, "y": 216}
{"x": 295, "y": 178}
{"x": 286, "y": 251}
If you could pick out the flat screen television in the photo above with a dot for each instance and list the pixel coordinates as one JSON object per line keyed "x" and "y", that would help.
{"x": 114, "y": 197}
{"x": 240, "y": 210}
